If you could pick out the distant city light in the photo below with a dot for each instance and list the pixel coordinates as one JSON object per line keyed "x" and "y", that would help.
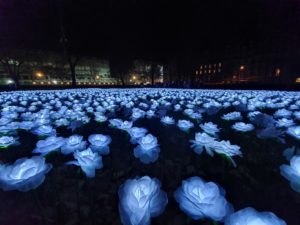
{"x": 277, "y": 72}
{"x": 54, "y": 81}
{"x": 298, "y": 80}
{"x": 9, "y": 81}
{"x": 39, "y": 74}
{"x": 242, "y": 67}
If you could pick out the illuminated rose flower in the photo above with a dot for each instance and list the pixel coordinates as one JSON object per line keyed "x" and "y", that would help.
{"x": 282, "y": 113}
{"x": 44, "y": 130}
{"x": 225, "y": 148}
{"x": 140, "y": 200}
{"x": 72, "y": 144}
{"x": 6, "y": 141}
{"x": 284, "y": 122}
{"x": 62, "y": 122}
{"x": 185, "y": 125}
{"x": 100, "y": 118}
{"x": 137, "y": 114}
{"x": 136, "y": 134}
{"x": 243, "y": 127}
{"x": 150, "y": 113}
{"x": 125, "y": 125}
{"x": 294, "y": 132}
{"x": 147, "y": 150}
{"x": 167, "y": 120}
{"x": 115, "y": 122}
{"x": 250, "y": 216}
{"x": 232, "y": 116}
{"x": 199, "y": 199}
{"x": 202, "y": 140}
{"x": 24, "y": 174}
{"x": 99, "y": 143}
{"x": 292, "y": 172}
{"x": 50, "y": 144}
{"x": 89, "y": 162}
{"x": 210, "y": 128}
{"x": 26, "y": 125}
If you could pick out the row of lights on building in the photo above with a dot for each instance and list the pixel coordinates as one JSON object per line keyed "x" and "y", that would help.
{"x": 68, "y": 83}
{"x": 209, "y": 69}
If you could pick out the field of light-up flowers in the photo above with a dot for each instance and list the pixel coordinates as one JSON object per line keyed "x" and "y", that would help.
{"x": 149, "y": 156}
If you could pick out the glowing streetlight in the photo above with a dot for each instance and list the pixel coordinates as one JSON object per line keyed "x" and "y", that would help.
{"x": 242, "y": 67}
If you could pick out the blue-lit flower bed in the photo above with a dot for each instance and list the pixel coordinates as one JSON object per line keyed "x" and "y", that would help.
{"x": 150, "y": 156}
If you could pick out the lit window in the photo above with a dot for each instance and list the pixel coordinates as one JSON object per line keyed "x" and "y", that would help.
{"x": 215, "y": 65}
{"x": 214, "y": 71}
{"x": 200, "y": 72}
{"x": 201, "y": 67}
{"x": 219, "y": 70}
{"x": 204, "y": 71}
{"x": 204, "y": 66}
{"x": 298, "y": 80}
{"x": 209, "y": 71}
{"x": 209, "y": 66}
{"x": 220, "y": 64}
{"x": 196, "y": 72}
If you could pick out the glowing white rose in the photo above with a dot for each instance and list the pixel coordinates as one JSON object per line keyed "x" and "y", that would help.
{"x": 48, "y": 145}
{"x": 141, "y": 199}
{"x": 210, "y": 128}
{"x": 88, "y": 161}
{"x": 243, "y": 127}
{"x": 44, "y": 130}
{"x": 167, "y": 120}
{"x": 200, "y": 199}
{"x": 250, "y": 216}
{"x": 6, "y": 141}
{"x": 147, "y": 150}
{"x": 24, "y": 174}
{"x": 185, "y": 125}
{"x": 294, "y": 132}
{"x": 202, "y": 140}
{"x": 99, "y": 143}
{"x": 72, "y": 144}
{"x": 292, "y": 172}
{"x": 136, "y": 134}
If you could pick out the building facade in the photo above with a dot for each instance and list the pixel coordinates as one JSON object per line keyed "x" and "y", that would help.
{"x": 51, "y": 69}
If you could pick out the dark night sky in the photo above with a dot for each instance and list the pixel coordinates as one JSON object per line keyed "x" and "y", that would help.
{"x": 145, "y": 28}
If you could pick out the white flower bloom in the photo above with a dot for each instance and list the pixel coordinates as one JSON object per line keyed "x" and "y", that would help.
{"x": 147, "y": 150}
{"x": 284, "y": 122}
{"x": 292, "y": 172}
{"x": 210, "y": 128}
{"x": 99, "y": 143}
{"x": 294, "y": 132}
{"x": 200, "y": 199}
{"x": 6, "y": 141}
{"x": 72, "y": 144}
{"x": 250, "y": 216}
{"x": 185, "y": 125}
{"x": 232, "y": 116}
{"x": 44, "y": 130}
{"x": 50, "y": 144}
{"x": 136, "y": 133}
{"x": 24, "y": 174}
{"x": 167, "y": 120}
{"x": 202, "y": 140}
{"x": 88, "y": 160}
{"x": 141, "y": 199}
{"x": 243, "y": 127}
